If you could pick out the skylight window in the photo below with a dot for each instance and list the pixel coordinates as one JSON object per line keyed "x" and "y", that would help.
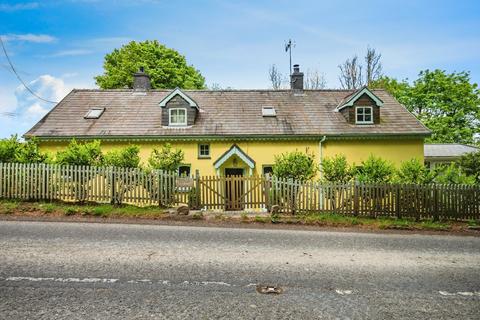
{"x": 94, "y": 113}
{"x": 268, "y": 111}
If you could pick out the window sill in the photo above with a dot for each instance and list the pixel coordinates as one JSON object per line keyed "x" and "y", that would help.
{"x": 204, "y": 158}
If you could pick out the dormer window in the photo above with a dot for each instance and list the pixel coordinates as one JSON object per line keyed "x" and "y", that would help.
{"x": 363, "y": 115}
{"x": 177, "y": 116}
{"x": 94, "y": 113}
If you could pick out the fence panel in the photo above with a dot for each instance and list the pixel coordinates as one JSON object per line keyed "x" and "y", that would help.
{"x": 159, "y": 188}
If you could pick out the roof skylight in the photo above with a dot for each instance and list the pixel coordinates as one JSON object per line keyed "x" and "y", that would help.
{"x": 269, "y": 111}
{"x": 94, "y": 113}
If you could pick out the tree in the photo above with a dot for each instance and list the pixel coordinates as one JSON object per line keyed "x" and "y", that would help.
{"x": 315, "y": 80}
{"x": 166, "y": 67}
{"x": 275, "y": 77}
{"x": 446, "y": 103}
{"x": 413, "y": 171}
{"x": 373, "y": 66}
{"x": 166, "y": 158}
{"x": 337, "y": 169}
{"x": 351, "y": 74}
{"x": 127, "y": 157}
{"x": 295, "y": 165}
{"x": 82, "y": 154}
{"x": 470, "y": 164}
{"x": 375, "y": 170}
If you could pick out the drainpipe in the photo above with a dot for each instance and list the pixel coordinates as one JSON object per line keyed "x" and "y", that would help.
{"x": 321, "y": 154}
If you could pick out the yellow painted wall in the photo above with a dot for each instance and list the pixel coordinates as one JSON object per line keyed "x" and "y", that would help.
{"x": 395, "y": 150}
{"x": 263, "y": 152}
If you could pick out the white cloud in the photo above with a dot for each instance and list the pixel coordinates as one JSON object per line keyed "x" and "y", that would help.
{"x": 5, "y": 7}
{"x": 20, "y": 110}
{"x": 29, "y": 37}
{"x": 73, "y": 52}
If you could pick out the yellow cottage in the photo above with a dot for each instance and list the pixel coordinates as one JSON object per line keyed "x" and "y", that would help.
{"x": 237, "y": 132}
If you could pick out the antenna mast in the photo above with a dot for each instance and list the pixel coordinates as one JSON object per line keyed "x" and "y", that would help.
{"x": 288, "y": 48}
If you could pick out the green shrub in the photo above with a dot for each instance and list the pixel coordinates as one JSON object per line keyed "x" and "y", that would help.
{"x": 452, "y": 174}
{"x": 470, "y": 164}
{"x": 166, "y": 158}
{"x": 375, "y": 170}
{"x": 8, "y": 149}
{"x": 127, "y": 157}
{"x": 84, "y": 154}
{"x": 337, "y": 169}
{"x": 28, "y": 152}
{"x": 295, "y": 165}
{"x": 413, "y": 171}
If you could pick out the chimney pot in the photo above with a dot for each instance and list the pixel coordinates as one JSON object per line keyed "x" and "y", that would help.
{"x": 296, "y": 79}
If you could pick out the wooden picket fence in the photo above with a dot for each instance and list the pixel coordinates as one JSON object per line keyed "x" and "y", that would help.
{"x": 158, "y": 188}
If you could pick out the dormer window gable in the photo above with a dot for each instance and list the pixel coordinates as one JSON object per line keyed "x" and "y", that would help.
{"x": 362, "y": 107}
{"x": 178, "y": 109}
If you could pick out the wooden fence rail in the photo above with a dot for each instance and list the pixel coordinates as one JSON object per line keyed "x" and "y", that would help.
{"x": 159, "y": 188}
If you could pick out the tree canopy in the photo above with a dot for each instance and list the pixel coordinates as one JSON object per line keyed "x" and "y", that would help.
{"x": 447, "y": 103}
{"x": 166, "y": 67}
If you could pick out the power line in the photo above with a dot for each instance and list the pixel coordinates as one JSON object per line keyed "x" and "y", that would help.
{"x": 20, "y": 79}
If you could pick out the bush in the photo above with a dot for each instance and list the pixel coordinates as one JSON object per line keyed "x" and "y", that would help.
{"x": 8, "y": 149}
{"x": 127, "y": 157}
{"x": 13, "y": 150}
{"x": 295, "y": 165}
{"x": 470, "y": 164}
{"x": 337, "y": 169}
{"x": 82, "y": 154}
{"x": 413, "y": 171}
{"x": 452, "y": 174}
{"x": 166, "y": 158}
{"x": 376, "y": 170}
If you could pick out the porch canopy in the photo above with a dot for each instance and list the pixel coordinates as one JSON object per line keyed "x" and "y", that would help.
{"x": 232, "y": 152}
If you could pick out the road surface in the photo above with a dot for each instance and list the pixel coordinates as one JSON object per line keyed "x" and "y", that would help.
{"x": 124, "y": 271}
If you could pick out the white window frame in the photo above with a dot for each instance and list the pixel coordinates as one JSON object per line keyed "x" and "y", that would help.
{"x": 91, "y": 113}
{"x": 364, "y": 122}
{"x": 170, "y": 117}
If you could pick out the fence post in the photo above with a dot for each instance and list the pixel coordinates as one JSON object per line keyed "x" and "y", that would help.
{"x": 267, "y": 192}
{"x": 112, "y": 180}
{"x": 356, "y": 198}
{"x": 397, "y": 201}
{"x": 197, "y": 189}
{"x": 435, "y": 203}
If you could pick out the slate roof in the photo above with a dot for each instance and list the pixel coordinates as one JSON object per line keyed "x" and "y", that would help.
{"x": 447, "y": 150}
{"x": 222, "y": 113}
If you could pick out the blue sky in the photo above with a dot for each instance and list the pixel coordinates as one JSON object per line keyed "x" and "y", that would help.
{"x": 59, "y": 45}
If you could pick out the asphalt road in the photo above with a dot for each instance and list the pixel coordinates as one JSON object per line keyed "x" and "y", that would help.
{"x": 118, "y": 271}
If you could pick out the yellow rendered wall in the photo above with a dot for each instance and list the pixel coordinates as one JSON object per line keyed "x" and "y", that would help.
{"x": 263, "y": 152}
{"x": 395, "y": 150}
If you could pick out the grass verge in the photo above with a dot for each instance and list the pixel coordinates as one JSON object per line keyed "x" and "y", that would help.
{"x": 13, "y": 207}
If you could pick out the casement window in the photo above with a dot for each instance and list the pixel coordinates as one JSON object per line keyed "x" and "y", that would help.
{"x": 204, "y": 150}
{"x": 184, "y": 170}
{"x": 267, "y": 169}
{"x": 364, "y": 115}
{"x": 177, "y": 117}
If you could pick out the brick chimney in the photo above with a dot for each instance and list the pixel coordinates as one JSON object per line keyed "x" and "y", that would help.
{"x": 296, "y": 78}
{"x": 141, "y": 80}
